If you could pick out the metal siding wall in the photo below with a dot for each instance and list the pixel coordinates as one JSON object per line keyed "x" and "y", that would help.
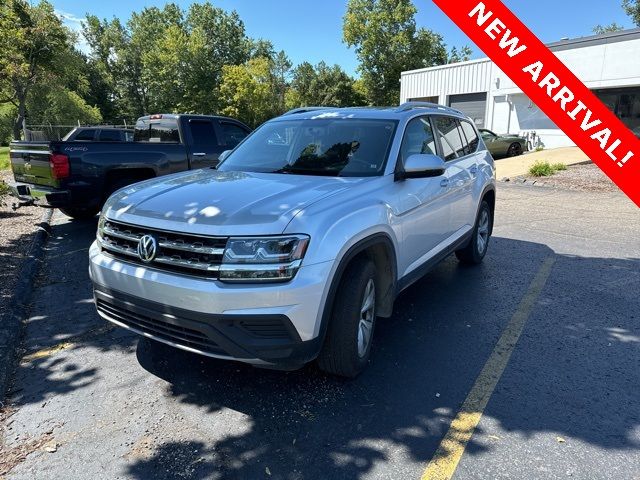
{"x": 447, "y": 80}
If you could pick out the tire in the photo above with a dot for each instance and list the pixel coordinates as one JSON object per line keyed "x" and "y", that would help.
{"x": 80, "y": 213}
{"x": 347, "y": 344}
{"x": 515, "y": 149}
{"x": 477, "y": 248}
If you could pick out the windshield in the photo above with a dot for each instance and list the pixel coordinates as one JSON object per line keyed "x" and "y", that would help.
{"x": 343, "y": 147}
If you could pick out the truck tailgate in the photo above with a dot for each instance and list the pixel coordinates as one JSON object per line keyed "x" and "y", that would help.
{"x": 30, "y": 163}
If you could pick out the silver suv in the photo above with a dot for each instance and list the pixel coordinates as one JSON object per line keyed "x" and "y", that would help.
{"x": 301, "y": 238}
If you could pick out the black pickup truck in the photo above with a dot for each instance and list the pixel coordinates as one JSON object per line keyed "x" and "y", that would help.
{"x": 77, "y": 177}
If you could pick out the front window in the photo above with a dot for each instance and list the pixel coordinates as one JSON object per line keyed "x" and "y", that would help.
{"x": 325, "y": 146}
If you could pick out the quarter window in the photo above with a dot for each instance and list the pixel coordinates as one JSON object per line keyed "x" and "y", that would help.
{"x": 418, "y": 138}
{"x": 471, "y": 137}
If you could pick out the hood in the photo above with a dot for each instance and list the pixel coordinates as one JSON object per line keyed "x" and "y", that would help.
{"x": 210, "y": 202}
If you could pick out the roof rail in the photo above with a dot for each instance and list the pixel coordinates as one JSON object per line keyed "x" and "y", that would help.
{"x": 306, "y": 109}
{"x": 405, "y": 107}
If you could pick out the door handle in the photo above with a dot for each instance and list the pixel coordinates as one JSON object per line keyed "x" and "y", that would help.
{"x": 473, "y": 170}
{"x": 199, "y": 154}
{"x": 444, "y": 183}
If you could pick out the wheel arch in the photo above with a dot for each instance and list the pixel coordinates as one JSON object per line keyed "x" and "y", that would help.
{"x": 379, "y": 248}
{"x": 489, "y": 194}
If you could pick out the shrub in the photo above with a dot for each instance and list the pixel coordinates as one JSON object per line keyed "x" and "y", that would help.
{"x": 541, "y": 169}
{"x": 559, "y": 167}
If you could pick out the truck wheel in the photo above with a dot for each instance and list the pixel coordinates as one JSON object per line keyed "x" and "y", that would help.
{"x": 80, "y": 213}
{"x": 475, "y": 251}
{"x": 347, "y": 345}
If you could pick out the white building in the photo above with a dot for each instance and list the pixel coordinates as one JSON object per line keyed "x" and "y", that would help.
{"x": 608, "y": 64}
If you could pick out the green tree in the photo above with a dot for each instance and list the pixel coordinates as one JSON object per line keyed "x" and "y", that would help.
{"x": 461, "y": 55}
{"x": 165, "y": 60}
{"x": 387, "y": 42}
{"x": 632, "y": 8}
{"x": 612, "y": 27}
{"x": 35, "y": 46}
{"x": 248, "y": 91}
{"x": 59, "y": 106}
{"x": 323, "y": 85}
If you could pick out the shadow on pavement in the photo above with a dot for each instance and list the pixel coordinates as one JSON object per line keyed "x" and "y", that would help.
{"x": 574, "y": 372}
{"x": 62, "y": 310}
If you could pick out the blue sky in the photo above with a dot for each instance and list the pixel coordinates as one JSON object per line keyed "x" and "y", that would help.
{"x": 312, "y": 30}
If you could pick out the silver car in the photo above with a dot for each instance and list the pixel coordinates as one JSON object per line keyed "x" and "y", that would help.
{"x": 301, "y": 238}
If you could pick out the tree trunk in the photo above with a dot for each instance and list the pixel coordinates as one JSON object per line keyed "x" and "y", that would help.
{"x": 17, "y": 127}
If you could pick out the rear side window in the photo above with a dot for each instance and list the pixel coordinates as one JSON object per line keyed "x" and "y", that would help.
{"x": 203, "y": 133}
{"x": 471, "y": 136}
{"x": 109, "y": 136}
{"x": 450, "y": 137}
{"x": 418, "y": 138}
{"x": 86, "y": 135}
{"x": 232, "y": 134}
{"x": 164, "y": 130}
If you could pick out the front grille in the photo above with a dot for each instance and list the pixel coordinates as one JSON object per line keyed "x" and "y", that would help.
{"x": 177, "y": 252}
{"x": 159, "y": 328}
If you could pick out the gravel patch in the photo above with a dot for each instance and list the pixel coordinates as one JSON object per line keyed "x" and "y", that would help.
{"x": 16, "y": 234}
{"x": 585, "y": 178}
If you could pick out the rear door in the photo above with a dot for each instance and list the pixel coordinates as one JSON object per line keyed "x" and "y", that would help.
{"x": 461, "y": 163}
{"x": 204, "y": 145}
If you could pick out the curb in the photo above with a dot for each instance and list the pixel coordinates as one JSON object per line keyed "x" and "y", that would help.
{"x": 17, "y": 308}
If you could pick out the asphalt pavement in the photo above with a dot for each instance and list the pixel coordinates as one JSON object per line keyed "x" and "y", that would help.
{"x": 547, "y": 331}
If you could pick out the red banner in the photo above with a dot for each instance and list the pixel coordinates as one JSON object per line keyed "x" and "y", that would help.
{"x": 552, "y": 87}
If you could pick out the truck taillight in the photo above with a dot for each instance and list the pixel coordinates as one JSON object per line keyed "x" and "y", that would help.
{"x": 59, "y": 165}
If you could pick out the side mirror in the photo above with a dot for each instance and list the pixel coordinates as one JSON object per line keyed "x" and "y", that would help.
{"x": 422, "y": 165}
{"x": 223, "y": 155}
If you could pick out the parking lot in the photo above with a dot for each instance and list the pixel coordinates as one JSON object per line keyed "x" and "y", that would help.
{"x": 547, "y": 330}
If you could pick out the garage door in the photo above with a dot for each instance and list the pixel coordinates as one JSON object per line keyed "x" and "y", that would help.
{"x": 472, "y": 104}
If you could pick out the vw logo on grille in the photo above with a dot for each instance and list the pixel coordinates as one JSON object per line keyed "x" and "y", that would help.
{"x": 147, "y": 248}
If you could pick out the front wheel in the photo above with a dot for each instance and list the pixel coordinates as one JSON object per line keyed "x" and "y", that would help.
{"x": 475, "y": 251}
{"x": 80, "y": 213}
{"x": 515, "y": 149}
{"x": 347, "y": 345}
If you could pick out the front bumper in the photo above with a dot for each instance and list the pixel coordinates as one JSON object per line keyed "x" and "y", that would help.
{"x": 28, "y": 194}
{"x": 264, "y": 324}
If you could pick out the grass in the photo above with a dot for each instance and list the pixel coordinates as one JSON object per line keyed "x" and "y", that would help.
{"x": 4, "y": 158}
{"x": 545, "y": 169}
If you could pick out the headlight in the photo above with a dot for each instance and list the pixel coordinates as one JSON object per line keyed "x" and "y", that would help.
{"x": 254, "y": 259}
{"x": 101, "y": 221}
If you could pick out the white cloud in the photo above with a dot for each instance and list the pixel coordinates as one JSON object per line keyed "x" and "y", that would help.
{"x": 74, "y": 23}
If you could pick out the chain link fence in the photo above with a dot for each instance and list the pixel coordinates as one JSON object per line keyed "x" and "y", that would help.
{"x": 49, "y": 132}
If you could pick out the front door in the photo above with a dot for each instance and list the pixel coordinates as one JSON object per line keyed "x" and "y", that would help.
{"x": 424, "y": 208}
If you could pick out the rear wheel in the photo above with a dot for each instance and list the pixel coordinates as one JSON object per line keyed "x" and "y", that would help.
{"x": 515, "y": 149}
{"x": 475, "y": 251}
{"x": 347, "y": 345}
{"x": 80, "y": 213}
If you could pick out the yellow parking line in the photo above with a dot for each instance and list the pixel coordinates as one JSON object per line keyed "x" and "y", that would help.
{"x": 445, "y": 461}
{"x": 45, "y": 352}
